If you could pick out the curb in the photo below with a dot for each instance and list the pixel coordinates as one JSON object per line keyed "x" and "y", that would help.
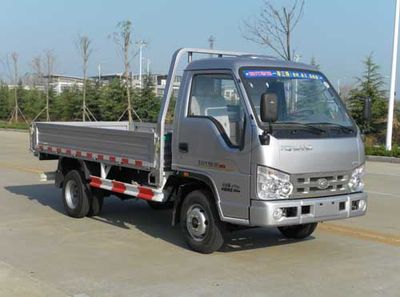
{"x": 383, "y": 159}
{"x": 15, "y": 130}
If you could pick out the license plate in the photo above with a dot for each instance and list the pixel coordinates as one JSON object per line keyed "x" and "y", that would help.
{"x": 328, "y": 208}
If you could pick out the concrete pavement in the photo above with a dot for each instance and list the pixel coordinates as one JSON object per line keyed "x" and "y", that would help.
{"x": 131, "y": 250}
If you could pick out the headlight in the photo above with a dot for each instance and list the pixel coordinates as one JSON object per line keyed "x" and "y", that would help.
{"x": 356, "y": 182}
{"x": 273, "y": 184}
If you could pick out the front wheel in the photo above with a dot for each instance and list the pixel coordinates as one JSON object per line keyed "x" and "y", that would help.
{"x": 298, "y": 231}
{"x": 200, "y": 223}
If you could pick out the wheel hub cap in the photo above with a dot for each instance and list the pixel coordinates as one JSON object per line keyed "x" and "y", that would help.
{"x": 197, "y": 222}
{"x": 71, "y": 194}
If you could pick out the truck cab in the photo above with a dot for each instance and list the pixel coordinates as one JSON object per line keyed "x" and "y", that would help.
{"x": 300, "y": 167}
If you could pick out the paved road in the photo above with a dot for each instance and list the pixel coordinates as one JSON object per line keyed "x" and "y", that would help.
{"x": 130, "y": 250}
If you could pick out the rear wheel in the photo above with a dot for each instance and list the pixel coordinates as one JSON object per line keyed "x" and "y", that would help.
{"x": 200, "y": 223}
{"x": 76, "y": 194}
{"x": 298, "y": 231}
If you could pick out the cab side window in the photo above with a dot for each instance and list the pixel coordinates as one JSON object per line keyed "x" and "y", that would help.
{"x": 215, "y": 96}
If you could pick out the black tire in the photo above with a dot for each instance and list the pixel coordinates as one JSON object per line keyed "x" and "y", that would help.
{"x": 96, "y": 202}
{"x": 198, "y": 206}
{"x": 76, "y": 195}
{"x": 298, "y": 231}
{"x": 160, "y": 205}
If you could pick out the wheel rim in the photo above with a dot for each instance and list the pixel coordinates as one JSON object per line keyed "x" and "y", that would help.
{"x": 72, "y": 194}
{"x": 197, "y": 222}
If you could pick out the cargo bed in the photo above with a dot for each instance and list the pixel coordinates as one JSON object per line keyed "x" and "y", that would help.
{"x": 114, "y": 143}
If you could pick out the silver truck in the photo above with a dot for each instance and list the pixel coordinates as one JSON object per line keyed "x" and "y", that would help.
{"x": 255, "y": 141}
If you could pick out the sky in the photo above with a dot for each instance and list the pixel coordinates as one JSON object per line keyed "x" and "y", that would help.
{"x": 339, "y": 34}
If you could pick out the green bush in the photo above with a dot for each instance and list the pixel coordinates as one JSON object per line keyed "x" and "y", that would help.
{"x": 381, "y": 151}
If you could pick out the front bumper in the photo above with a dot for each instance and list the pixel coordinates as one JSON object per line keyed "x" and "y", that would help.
{"x": 303, "y": 211}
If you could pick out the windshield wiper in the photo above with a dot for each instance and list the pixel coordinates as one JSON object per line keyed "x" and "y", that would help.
{"x": 309, "y": 127}
{"x": 341, "y": 127}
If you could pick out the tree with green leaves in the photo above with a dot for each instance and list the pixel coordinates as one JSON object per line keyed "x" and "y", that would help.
{"x": 111, "y": 100}
{"x": 5, "y": 102}
{"x": 31, "y": 102}
{"x": 396, "y": 123}
{"x": 67, "y": 106}
{"x": 369, "y": 85}
{"x": 93, "y": 92}
{"x": 148, "y": 105}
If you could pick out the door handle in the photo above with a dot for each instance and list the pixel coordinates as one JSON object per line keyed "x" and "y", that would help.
{"x": 183, "y": 147}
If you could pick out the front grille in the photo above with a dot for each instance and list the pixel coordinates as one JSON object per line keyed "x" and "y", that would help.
{"x": 319, "y": 184}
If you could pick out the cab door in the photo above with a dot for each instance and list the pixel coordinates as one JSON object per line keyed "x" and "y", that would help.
{"x": 214, "y": 139}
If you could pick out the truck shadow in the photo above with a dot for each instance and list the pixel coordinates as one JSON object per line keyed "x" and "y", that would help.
{"x": 156, "y": 223}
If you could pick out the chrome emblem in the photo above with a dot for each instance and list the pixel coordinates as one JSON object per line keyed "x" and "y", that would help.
{"x": 322, "y": 183}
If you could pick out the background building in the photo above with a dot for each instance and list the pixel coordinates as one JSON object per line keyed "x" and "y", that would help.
{"x": 61, "y": 82}
{"x": 159, "y": 81}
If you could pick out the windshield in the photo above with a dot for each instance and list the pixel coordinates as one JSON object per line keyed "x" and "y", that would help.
{"x": 304, "y": 97}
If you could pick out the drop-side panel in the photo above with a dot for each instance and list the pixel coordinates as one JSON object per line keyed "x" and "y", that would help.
{"x": 115, "y": 142}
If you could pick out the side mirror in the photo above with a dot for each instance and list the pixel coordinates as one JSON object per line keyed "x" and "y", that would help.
{"x": 269, "y": 108}
{"x": 367, "y": 109}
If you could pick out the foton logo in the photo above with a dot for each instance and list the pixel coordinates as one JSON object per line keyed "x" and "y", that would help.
{"x": 322, "y": 184}
{"x": 296, "y": 148}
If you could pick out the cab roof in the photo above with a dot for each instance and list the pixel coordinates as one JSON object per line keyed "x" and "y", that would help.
{"x": 235, "y": 63}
